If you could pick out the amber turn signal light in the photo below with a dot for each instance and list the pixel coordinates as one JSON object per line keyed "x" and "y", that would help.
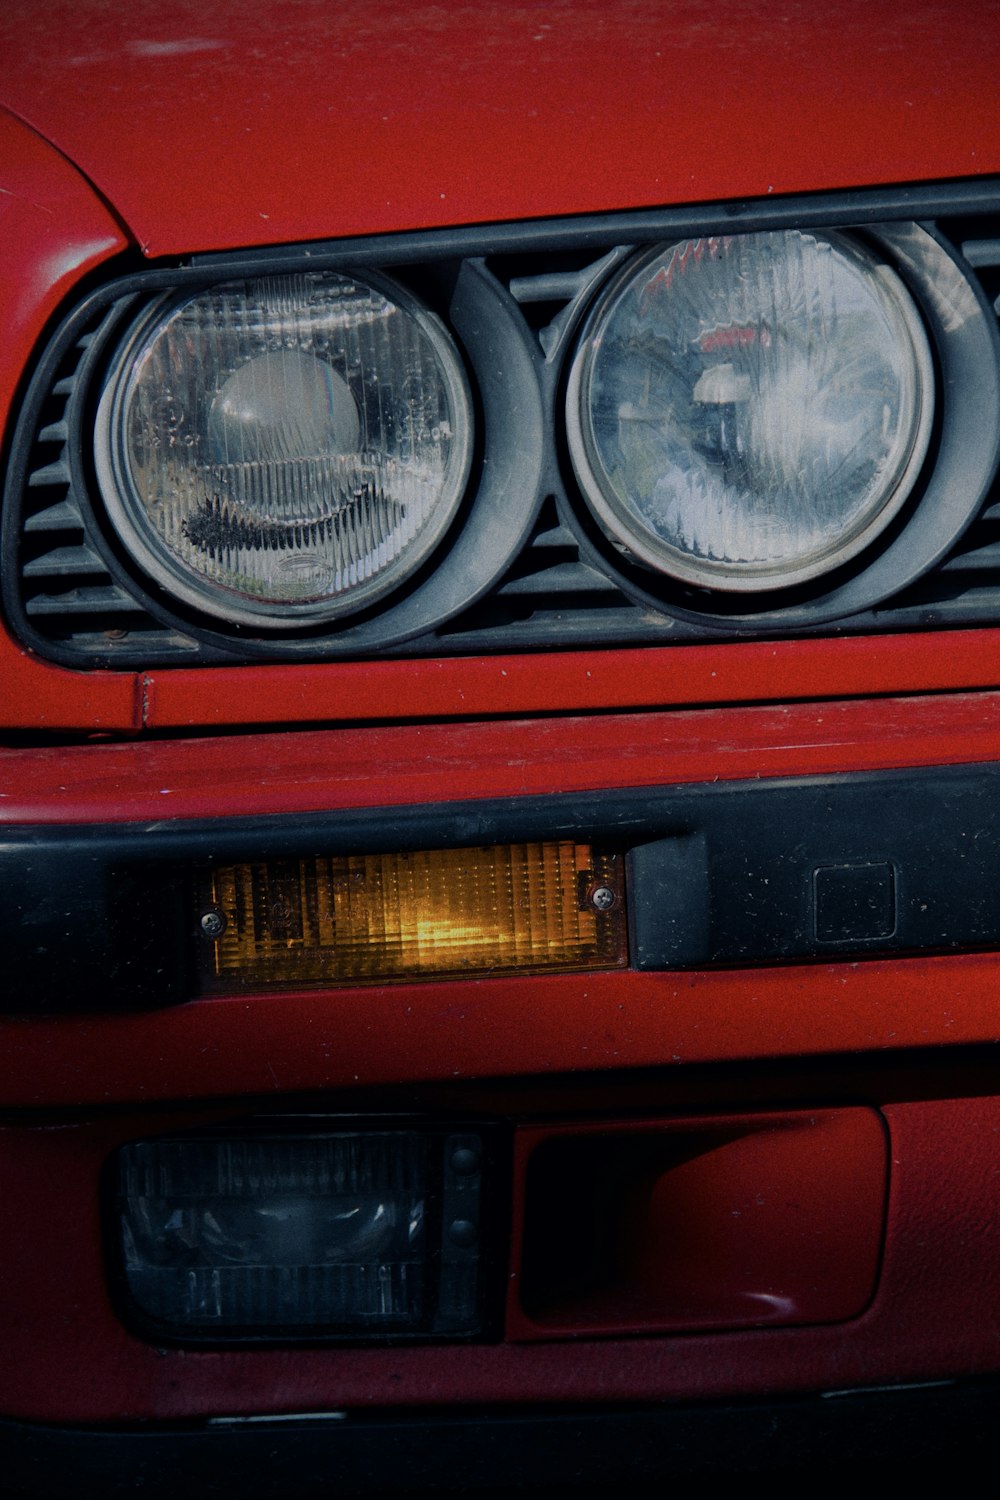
{"x": 356, "y": 919}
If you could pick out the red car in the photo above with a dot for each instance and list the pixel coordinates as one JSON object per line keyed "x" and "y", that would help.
{"x": 501, "y": 631}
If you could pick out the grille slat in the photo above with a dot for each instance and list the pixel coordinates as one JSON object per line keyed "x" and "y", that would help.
{"x": 65, "y": 515}
{"x": 106, "y": 600}
{"x": 51, "y": 476}
{"x": 63, "y": 562}
{"x": 980, "y": 559}
{"x": 555, "y": 536}
{"x": 563, "y": 578}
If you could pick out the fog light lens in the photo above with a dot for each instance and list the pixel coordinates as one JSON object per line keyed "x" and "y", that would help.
{"x": 373, "y": 1232}
{"x": 368, "y": 918}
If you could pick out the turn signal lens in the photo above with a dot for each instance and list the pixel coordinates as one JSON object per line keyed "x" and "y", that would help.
{"x": 354, "y": 919}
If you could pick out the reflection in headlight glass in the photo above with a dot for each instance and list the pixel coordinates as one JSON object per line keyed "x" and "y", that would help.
{"x": 750, "y": 411}
{"x": 286, "y": 448}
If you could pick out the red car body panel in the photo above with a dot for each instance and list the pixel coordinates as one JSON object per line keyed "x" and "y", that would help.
{"x": 39, "y": 695}
{"x": 277, "y": 124}
{"x": 72, "y": 1361}
{"x": 385, "y": 767}
{"x": 225, "y": 128}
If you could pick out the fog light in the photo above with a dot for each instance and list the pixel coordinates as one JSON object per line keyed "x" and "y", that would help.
{"x": 367, "y": 918}
{"x": 372, "y": 1233}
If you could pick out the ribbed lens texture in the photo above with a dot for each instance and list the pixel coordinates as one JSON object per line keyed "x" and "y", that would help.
{"x": 751, "y": 405}
{"x": 264, "y": 1233}
{"x": 294, "y": 441}
{"x": 364, "y": 918}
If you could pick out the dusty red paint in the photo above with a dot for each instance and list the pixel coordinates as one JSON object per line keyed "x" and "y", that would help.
{"x": 257, "y": 774}
{"x": 54, "y": 230}
{"x": 305, "y": 120}
{"x": 530, "y": 1026}
{"x": 70, "y": 1359}
{"x": 225, "y": 127}
{"x": 562, "y": 681}
{"x": 726, "y": 1221}
{"x": 39, "y": 695}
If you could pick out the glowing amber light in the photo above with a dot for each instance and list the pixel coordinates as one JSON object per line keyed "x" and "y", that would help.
{"x": 373, "y": 917}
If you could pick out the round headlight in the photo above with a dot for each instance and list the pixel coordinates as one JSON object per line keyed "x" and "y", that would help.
{"x": 749, "y": 412}
{"x": 285, "y": 450}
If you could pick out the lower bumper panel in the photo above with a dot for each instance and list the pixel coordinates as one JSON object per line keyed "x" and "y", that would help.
{"x": 301, "y": 1456}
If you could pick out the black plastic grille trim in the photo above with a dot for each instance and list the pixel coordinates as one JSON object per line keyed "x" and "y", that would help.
{"x": 71, "y": 597}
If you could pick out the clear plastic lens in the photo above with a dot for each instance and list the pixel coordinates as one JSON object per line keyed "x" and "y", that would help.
{"x": 749, "y": 412}
{"x": 285, "y": 448}
{"x": 347, "y": 1231}
{"x": 252, "y": 1233}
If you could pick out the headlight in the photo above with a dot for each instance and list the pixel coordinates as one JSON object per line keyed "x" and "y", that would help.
{"x": 284, "y": 450}
{"x": 748, "y": 412}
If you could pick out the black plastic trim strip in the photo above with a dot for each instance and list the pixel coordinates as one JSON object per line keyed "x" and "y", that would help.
{"x": 734, "y": 216}
{"x": 883, "y": 863}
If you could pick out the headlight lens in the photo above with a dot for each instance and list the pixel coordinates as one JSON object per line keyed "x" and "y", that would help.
{"x": 749, "y": 412}
{"x": 285, "y": 450}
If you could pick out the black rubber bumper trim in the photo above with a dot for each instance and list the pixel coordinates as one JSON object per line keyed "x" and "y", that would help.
{"x": 795, "y": 869}
{"x": 518, "y": 1448}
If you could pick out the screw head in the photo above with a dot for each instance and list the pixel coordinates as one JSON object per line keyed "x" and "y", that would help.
{"x": 602, "y": 898}
{"x": 463, "y": 1232}
{"x": 213, "y": 924}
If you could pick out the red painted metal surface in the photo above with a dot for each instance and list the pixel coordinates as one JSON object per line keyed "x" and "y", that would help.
{"x": 936, "y": 1312}
{"x": 726, "y": 1221}
{"x": 489, "y": 1028}
{"x": 258, "y": 774}
{"x": 36, "y": 695}
{"x": 532, "y": 1026}
{"x": 39, "y": 696}
{"x": 54, "y": 231}
{"x": 564, "y": 681}
{"x": 285, "y": 123}
{"x": 223, "y": 126}
{"x": 261, "y": 102}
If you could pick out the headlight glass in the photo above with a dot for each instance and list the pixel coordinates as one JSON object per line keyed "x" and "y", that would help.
{"x": 287, "y": 449}
{"x": 748, "y": 412}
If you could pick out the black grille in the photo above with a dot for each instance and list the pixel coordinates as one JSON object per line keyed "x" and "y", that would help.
{"x": 73, "y": 596}
{"x": 68, "y": 594}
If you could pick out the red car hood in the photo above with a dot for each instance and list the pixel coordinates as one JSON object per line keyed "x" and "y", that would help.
{"x": 209, "y": 124}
